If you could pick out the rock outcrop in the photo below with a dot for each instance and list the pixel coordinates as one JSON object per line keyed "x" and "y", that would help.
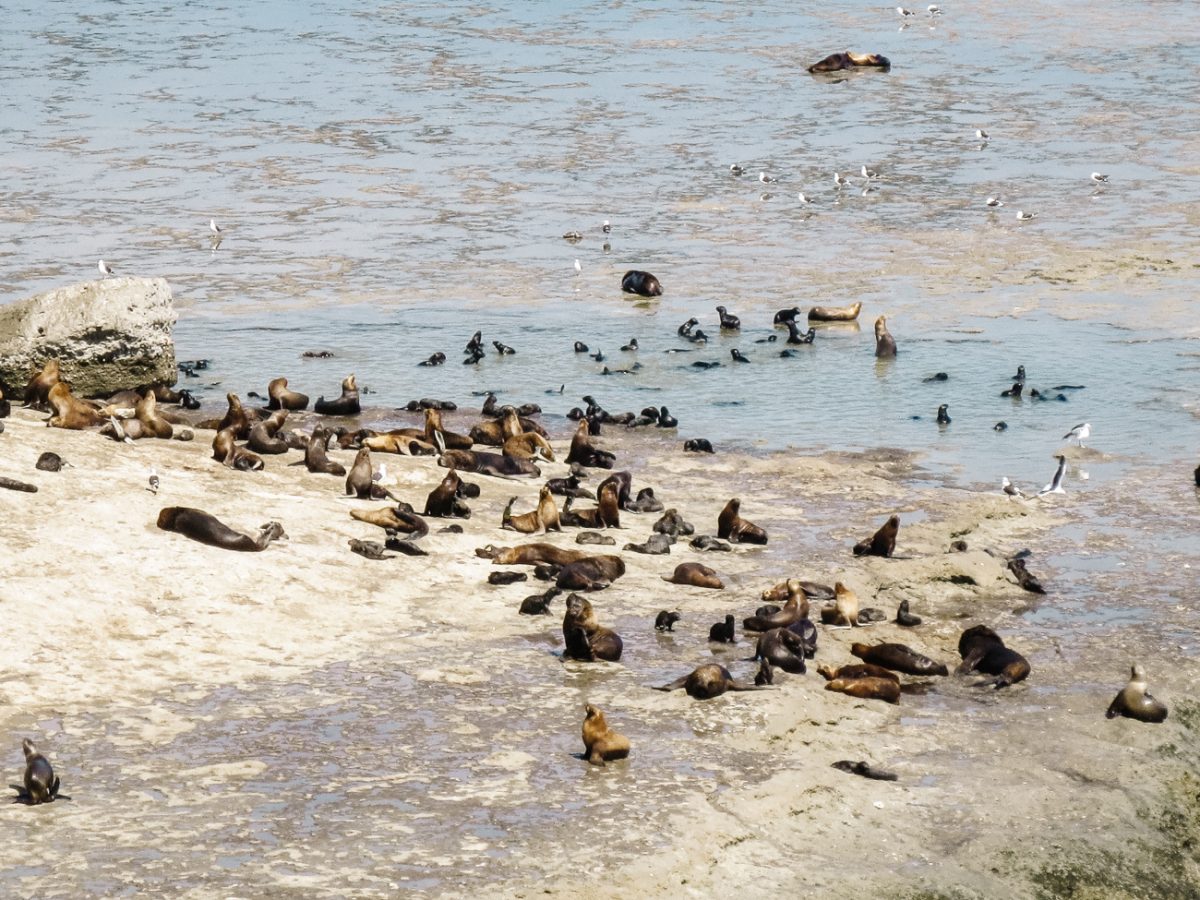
{"x": 107, "y": 335}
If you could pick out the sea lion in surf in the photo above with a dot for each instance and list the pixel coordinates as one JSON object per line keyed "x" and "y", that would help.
{"x": 315, "y": 459}
{"x": 345, "y": 405}
{"x": 600, "y": 743}
{"x": 264, "y": 435}
{"x": 982, "y": 650}
{"x": 835, "y": 313}
{"x": 1134, "y": 702}
{"x": 41, "y": 784}
{"x": 208, "y": 529}
{"x": 836, "y": 62}
{"x": 695, "y": 575}
{"x": 732, "y": 527}
{"x": 885, "y": 344}
{"x": 883, "y": 542}
{"x": 708, "y": 681}
{"x": 786, "y": 315}
{"x": 636, "y": 281}
{"x": 282, "y": 398}
{"x": 69, "y": 411}
{"x": 899, "y": 658}
{"x": 583, "y": 635}
{"x": 37, "y": 390}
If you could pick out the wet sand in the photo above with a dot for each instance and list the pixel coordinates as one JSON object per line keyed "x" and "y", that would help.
{"x": 304, "y": 720}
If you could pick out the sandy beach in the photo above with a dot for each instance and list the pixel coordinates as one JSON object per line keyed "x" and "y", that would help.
{"x": 305, "y": 720}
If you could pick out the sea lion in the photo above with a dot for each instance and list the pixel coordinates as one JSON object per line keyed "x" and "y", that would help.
{"x": 569, "y": 486}
{"x": 864, "y": 770}
{"x": 547, "y": 511}
{"x": 622, "y": 482}
{"x": 359, "y": 480}
{"x": 435, "y": 432}
{"x": 643, "y": 283}
{"x": 263, "y": 435}
{"x": 528, "y": 445}
{"x": 595, "y": 537}
{"x": 443, "y": 501}
{"x": 538, "y": 604}
{"x": 315, "y": 459}
{"x": 368, "y": 549}
{"x": 796, "y": 336}
{"x": 982, "y": 650}
{"x": 810, "y": 589}
{"x": 49, "y": 462}
{"x": 665, "y": 620}
{"x": 728, "y": 322}
{"x": 646, "y": 502}
{"x": 601, "y": 743}
{"x": 783, "y": 649}
{"x": 153, "y": 424}
{"x": 41, "y": 784}
{"x": 525, "y": 523}
{"x": 228, "y": 453}
{"x": 408, "y": 548}
{"x": 655, "y": 545}
{"x": 857, "y": 670}
{"x": 835, "y": 313}
{"x": 485, "y": 463}
{"x": 883, "y": 542}
{"x": 585, "y": 454}
{"x": 723, "y": 632}
{"x": 584, "y": 637}
{"x": 885, "y": 344}
{"x": 698, "y": 445}
{"x": 708, "y": 681}
{"x": 1135, "y": 702}
{"x": 236, "y": 417}
{"x": 6, "y": 409}
{"x": 282, "y": 398}
{"x": 708, "y": 542}
{"x": 794, "y": 609}
{"x": 673, "y": 524}
{"x": 836, "y": 62}
{"x": 12, "y": 484}
{"x": 345, "y": 405}
{"x": 530, "y": 555}
{"x": 732, "y": 527}
{"x": 905, "y": 618}
{"x": 786, "y": 315}
{"x": 592, "y": 573}
{"x": 37, "y": 390}
{"x": 69, "y": 411}
{"x": 866, "y": 688}
{"x": 398, "y": 518}
{"x": 208, "y": 529}
{"x": 435, "y": 359}
{"x": 1024, "y": 577}
{"x": 503, "y": 578}
{"x": 899, "y": 658}
{"x": 695, "y": 575}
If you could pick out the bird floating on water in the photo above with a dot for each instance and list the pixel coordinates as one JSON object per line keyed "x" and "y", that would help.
{"x": 765, "y": 178}
{"x": 1024, "y": 216}
{"x": 606, "y": 227}
{"x": 104, "y": 268}
{"x": 994, "y": 202}
{"x": 933, "y": 9}
{"x": 869, "y": 173}
{"x": 735, "y": 169}
{"x": 840, "y": 180}
{"x": 982, "y": 135}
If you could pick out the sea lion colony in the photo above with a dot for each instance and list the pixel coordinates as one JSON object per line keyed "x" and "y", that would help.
{"x": 785, "y": 636}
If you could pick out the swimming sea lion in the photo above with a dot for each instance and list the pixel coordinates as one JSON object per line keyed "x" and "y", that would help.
{"x": 982, "y": 650}
{"x": 899, "y": 658}
{"x": 786, "y": 315}
{"x": 835, "y": 313}
{"x": 783, "y": 649}
{"x": 1134, "y": 701}
{"x": 732, "y": 527}
{"x": 643, "y": 283}
{"x": 69, "y": 411}
{"x": 708, "y": 681}
{"x": 41, "y": 784}
{"x": 315, "y": 459}
{"x": 885, "y": 344}
{"x": 796, "y": 336}
{"x": 695, "y": 575}
{"x": 345, "y": 405}
{"x": 208, "y": 529}
{"x": 835, "y": 62}
{"x": 601, "y": 743}
{"x": 264, "y": 435}
{"x": 282, "y": 398}
{"x": 883, "y": 543}
{"x": 526, "y": 523}
{"x": 584, "y": 637}
{"x": 665, "y": 620}
{"x": 866, "y": 688}
{"x": 37, "y": 389}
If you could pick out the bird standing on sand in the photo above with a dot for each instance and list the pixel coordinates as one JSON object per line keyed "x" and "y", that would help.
{"x": 104, "y": 268}
{"x": 1009, "y": 488}
{"x": 1079, "y": 432}
{"x": 153, "y": 488}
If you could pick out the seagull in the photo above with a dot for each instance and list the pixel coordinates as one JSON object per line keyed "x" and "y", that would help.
{"x": 1009, "y": 488}
{"x": 606, "y": 227}
{"x": 994, "y": 202}
{"x": 1024, "y": 216}
{"x": 213, "y": 226}
{"x": 105, "y": 268}
{"x": 981, "y": 134}
{"x": 802, "y": 198}
{"x": 839, "y": 179}
{"x": 1099, "y": 179}
{"x": 153, "y": 481}
{"x": 1079, "y": 432}
{"x": 765, "y": 178}
{"x": 903, "y": 13}
{"x": 933, "y": 9}
{"x": 578, "y": 267}
{"x": 735, "y": 169}
{"x": 381, "y": 475}
{"x": 869, "y": 173}
{"x": 1055, "y": 485}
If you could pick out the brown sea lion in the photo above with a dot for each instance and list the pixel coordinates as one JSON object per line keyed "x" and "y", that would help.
{"x": 315, "y": 459}
{"x": 151, "y": 420}
{"x": 885, "y": 344}
{"x": 812, "y": 590}
{"x": 228, "y": 453}
{"x": 528, "y": 445}
{"x": 69, "y": 411}
{"x": 844, "y": 609}
{"x": 398, "y": 518}
{"x": 345, "y": 405}
{"x": 236, "y": 417}
{"x": 795, "y": 608}
{"x": 601, "y": 743}
{"x": 444, "y": 502}
{"x": 783, "y": 649}
{"x": 606, "y": 514}
{"x": 696, "y": 575}
{"x": 585, "y": 454}
{"x": 708, "y": 681}
{"x": 732, "y": 527}
{"x": 636, "y": 281}
{"x": 867, "y": 688}
{"x": 883, "y": 543}
{"x": 450, "y": 439}
{"x": 1135, "y": 702}
{"x": 673, "y": 524}
{"x": 835, "y": 313}
{"x": 360, "y": 479}
{"x": 836, "y": 62}
{"x": 592, "y": 573}
{"x": 623, "y": 482}
{"x": 208, "y": 529}
{"x": 282, "y": 398}
{"x": 530, "y": 555}
{"x": 41, "y": 784}
{"x": 486, "y": 463}
{"x": 982, "y": 650}
{"x": 899, "y": 658}
{"x": 495, "y": 432}
{"x": 263, "y": 435}
{"x": 526, "y": 523}
{"x": 548, "y": 511}
{"x": 37, "y": 389}
{"x": 584, "y": 637}
{"x": 857, "y": 670}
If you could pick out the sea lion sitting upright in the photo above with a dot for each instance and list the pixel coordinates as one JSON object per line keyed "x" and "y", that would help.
{"x": 605, "y": 514}
{"x": 315, "y": 459}
{"x": 643, "y": 283}
{"x": 360, "y": 480}
{"x": 601, "y": 743}
{"x": 264, "y": 435}
{"x": 695, "y": 575}
{"x": 844, "y": 609}
{"x": 883, "y": 543}
{"x": 69, "y": 411}
{"x": 228, "y": 453}
{"x": 236, "y": 417}
{"x": 885, "y": 344}
{"x": 547, "y": 511}
{"x": 899, "y": 658}
{"x": 41, "y": 784}
{"x": 443, "y": 501}
{"x": 982, "y": 650}
{"x": 708, "y": 681}
{"x": 1134, "y": 701}
{"x": 345, "y": 405}
{"x": 37, "y": 389}
{"x": 835, "y": 313}
{"x": 282, "y": 398}
{"x": 208, "y": 529}
{"x": 732, "y": 527}
{"x": 147, "y": 414}
{"x": 585, "y": 639}
{"x": 585, "y": 454}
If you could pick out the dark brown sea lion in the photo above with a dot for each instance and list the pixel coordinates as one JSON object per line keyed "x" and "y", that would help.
{"x": 835, "y": 313}
{"x": 508, "y": 577}
{"x": 584, "y": 637}
{"x": 41, "y": 784}
{"x": 69, "y": 411}
{"x": 37, "y": 389}
{"x": 656, "y": 544}
{"x": 696, "y": 575}
{"x": 1135, "y": 702}
{"x": 708, "y": 681}
{"x": 538, "y": 604}
{"x": 1024, "y": 577}
{"x": 883, "y": 543}
{"x": 592, "y": 573}
{"x": 236, "y": 417}
{"x": 643, "y": 283}
{"x": 595, "y": 537}
{"x": 345, "y": 405}
{"x": 601, "y": 743}
{"x": 885, "y": 344}
{"x": 732, "y": 527}
{"x": 793, "y": 610}
{"x": 783, "y": 649}
{"x": 723, "y": 632}
{"x": 282, "y": 398}
{"x": 899, "y": 658}
{"x": 867, "y": 688}
{"x": 904, "y": 617}
{"x": 525, "y": 523}
{"x": 443, "y": 501}
{"x": 49, "y": 462}
{"x": 228, "y": 453}
{"x": 836, "y": 62}
{"x": 857, "y": 670}
{"x": 605, "y": 514}
{"x": 314, "y": 454}
{"x": 208, "y": 529}
{"x": 623, "y": 482}
{"x": 673, "y": 524}
{"x": 982, "y": 650}
{"x": 665, "y": 620}
{"x": 585, "y": 454}
{"x": 864, "y": 770}
{"x": 486, "y": 463}
{"x": 263, "y": 435}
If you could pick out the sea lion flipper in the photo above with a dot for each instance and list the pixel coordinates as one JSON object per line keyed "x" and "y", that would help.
{"x": 974, "y": 656}
{"x": 674, "y": 685}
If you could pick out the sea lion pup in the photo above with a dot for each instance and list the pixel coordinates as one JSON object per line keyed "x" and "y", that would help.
{"x": 864, "y": 769}
{"x": 696, "y": 575}
{"x": 1134, "y": 702}
{"x": 443, "y": 501}
{"x": 282, "y": 398}
{"x": 208, "y": 529}
{"x": 698, "y": 445}
{"x": 605, "y": 514}
{"x": 228, "y": 453}
{"x": 732, "y": 527}
{"x": 666, "y": 619}
{"x": 526, "y": 523}
{"x": 585, "y": 639}
{"x": 708, "y": 681}
{"x": 673, "y": 524}
{"x": 835, "y": 313}
{"x": 658, "y": 544}
{"x": 904, "y": 617}
{"x": 585, "y": 454}
{"x": 345, "y": 405}
{"x": 399, "y": 518}
{"x": 982, "y": 650}
{"x": 528, "y": 445}
{"x": 857, "y": 670}
{"x": 530, "y": 555}
{"x": 885, "y": 344}
{"x": 69, "y": 411}
{"x": 645, "y": 502}
{"x": 263, "y": 435}
{"x": 793, "y": 610}
{"x": 786, "y": 315}
{"x": 867, "y": 688}
{"x": 315, "y": 459}
{"x": 41, "y": 784}
{"x": 547, "y": 511}
{"x": 601, "y": 743}
{"x": 783, "y": 649}
{"x": 37, "y": 389}
{"x": 592, "y": 573}
{"x": 636, "y": 281}
{"x": 368, "y": 549}
{"x": 1025, "y": 578}
{"x": 899, "y": 658}
{"x": 883, "y": 543}
{"x": 569, "y": 486}
{"x": 723, "y": 632}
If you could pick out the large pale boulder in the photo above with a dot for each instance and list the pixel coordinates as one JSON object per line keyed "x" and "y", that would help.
{"x": 107, "y": 335}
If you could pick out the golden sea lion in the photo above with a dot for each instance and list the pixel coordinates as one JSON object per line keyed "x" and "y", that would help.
{"x": 696, "y": 575}
{"x": 835, "y": 313}
{"x": 1134, "y": 701}
{"x": 601, "y": 743}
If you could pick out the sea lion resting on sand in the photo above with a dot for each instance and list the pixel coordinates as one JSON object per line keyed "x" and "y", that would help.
{"x": 709, "y": 681}
{"x": 844, "y": 609}
{"x": 525, "y": 523}
{"x": 444, "y": 502}
{"x": 69, "y": 411}
{"x": 982, "y": 650}
{"x": 315, "y": 459}
{"x": 530, "y": 555}
{"x": 783, "y": 649}
{"x": 398, "y": 518}
{"x": 208, "y": 529}
{"x": 591, "y": 573}
{"x": 585, "y": 454}
{"x": 899, "y": 658}
{"x": 732, "y": 527}
{"x": 794, "y": 609}
{"x": 604, "y": 515}
{"x": 695, "y": 575}
{"x": 486, "y": 463}
{"x": 228, "y": 453}
{"x": 835, "y": 313}
{"x": 867, "y": 688}
{"x": 264, "y": 435}
{"x": 584, "y": 637}
{"x": 601, "y": 743}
